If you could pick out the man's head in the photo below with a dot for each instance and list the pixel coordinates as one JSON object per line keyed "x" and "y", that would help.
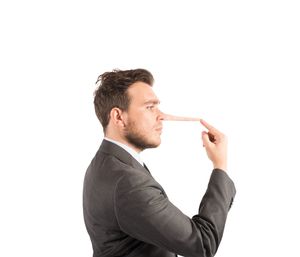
{"x": 127, "y": 108}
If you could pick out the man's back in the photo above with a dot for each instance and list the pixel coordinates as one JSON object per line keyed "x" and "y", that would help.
{"x": 101, "y": 181}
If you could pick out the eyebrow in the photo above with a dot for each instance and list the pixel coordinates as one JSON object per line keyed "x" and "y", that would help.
{"x": 152, "y": 102}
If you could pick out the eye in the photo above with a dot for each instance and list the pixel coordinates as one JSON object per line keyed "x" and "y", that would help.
{"x": 150, "y": 107}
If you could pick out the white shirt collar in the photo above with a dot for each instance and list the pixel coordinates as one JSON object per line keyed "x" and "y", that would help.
{"x": 128, "y": 149}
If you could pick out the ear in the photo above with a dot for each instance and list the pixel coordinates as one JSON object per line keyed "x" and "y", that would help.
{"x": 117, "y": 116}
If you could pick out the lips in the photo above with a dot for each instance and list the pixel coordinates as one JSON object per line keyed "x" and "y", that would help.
{"x": 159, "y": 129}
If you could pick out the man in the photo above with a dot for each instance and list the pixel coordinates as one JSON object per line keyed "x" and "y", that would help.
{"x": 126, "y": 211}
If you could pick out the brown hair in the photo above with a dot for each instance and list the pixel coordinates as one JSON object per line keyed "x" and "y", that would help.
{"x": 112, "y": 91}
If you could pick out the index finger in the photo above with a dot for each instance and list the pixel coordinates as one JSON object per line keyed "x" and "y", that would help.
{"x": 209, "y": 127}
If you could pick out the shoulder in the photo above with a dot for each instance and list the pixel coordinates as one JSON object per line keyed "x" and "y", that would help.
{"x": 133, "y": 177}
{"x": 135, "y": 185}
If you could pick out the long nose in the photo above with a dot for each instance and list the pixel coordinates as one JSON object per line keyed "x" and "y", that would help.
{"x": 170, "y": 117}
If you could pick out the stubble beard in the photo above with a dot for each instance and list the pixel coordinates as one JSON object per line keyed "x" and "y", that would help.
{"x": 136, "y": 138}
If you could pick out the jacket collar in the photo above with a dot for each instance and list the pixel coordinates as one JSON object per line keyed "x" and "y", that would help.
{"x": 121, "y": 154}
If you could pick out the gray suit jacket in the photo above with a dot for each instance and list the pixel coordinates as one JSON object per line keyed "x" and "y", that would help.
{"x": 127, "y": 213}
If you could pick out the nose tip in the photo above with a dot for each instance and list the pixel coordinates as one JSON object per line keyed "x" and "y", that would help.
{"x": 162, "y": 115}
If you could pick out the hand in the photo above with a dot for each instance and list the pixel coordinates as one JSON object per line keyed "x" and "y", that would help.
{"x": 215, "y": 144}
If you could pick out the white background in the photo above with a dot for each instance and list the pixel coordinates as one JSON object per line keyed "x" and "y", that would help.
{"x": 234, "y": 63}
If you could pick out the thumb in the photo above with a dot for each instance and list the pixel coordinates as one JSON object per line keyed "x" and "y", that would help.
{"x": 205, "y": 139}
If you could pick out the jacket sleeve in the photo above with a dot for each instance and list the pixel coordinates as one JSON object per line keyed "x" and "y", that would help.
{"x": 144, "y": 212}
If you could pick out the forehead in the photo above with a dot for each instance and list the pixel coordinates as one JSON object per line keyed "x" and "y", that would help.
{"x": 140, "y": 92}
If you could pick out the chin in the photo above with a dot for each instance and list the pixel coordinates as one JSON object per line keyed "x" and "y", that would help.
{"x": 157, "y": 142}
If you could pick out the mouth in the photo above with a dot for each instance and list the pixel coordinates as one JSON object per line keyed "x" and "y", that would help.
{"x": 159, "y": 129}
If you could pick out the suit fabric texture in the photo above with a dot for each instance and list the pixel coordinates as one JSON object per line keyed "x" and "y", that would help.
{"x": 127, "y": 212}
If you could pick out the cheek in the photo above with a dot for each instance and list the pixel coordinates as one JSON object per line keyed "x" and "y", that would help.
{"x": 144, "y": 120}
{"x": 144, "y": 125}
{"x": 146, "y": 116}
{"x": 150, "y": 121}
